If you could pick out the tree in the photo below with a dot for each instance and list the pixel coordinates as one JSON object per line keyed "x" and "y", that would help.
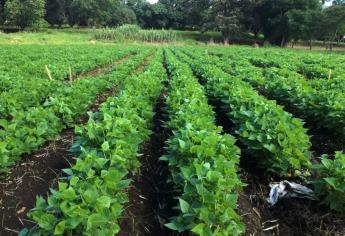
{"x": 275, "y": 20}
{"x": 158, "y": 15}
{"x": 24, "y": 13}
{"x": 333, "y": 23}
{"x": 2, "y": 15}
{"x": 56, "y": 12}
{"x": 142, "y": 10}
{"x": 251, "y": 16}
{"x": 304, "y": 24}
{"x": 185, "y": 14}
{"x": 99, "y": 13}
{"x": 338, "y": 2}
{"x": 225, "y": 15}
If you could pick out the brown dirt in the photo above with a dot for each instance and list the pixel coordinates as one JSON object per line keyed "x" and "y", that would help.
{"x": 100, "y": 70}
{"x": 323, "y": 143}
{"x": 250, "y": 215}
{"x": 142, "y": 66}
{"x": 34, "y": 176}
{"x": 150, "y": 196}
{"x": 291, "y": 217}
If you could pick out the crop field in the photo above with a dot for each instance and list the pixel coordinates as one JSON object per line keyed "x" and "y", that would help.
{"x": 169, "y": 139}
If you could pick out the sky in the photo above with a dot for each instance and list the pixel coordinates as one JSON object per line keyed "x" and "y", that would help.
{"x": 152, "y": 1}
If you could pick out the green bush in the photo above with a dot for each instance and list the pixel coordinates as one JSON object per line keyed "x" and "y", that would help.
{"x": 330, "y": 183}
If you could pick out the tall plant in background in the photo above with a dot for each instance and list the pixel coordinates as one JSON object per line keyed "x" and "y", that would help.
{"x": 24, "y": 13}
{"x": 127, "y": 33}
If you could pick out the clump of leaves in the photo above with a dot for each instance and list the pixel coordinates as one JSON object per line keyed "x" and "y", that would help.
{"x": 330, "y": 184}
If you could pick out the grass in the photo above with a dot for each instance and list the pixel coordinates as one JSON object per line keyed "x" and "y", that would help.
{"x": 49, "y": 36}
{"x": 87, "y": 36}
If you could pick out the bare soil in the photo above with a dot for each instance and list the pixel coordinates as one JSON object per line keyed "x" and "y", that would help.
{"x": 100, "y": 70}
{"x": 34, "y": 176}
{"x": 150, "y": 196}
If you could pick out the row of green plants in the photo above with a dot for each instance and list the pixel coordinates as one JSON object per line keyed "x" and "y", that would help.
{"x": 335, "y": 84}
{"x": 27, "y": 89}
{"x": 202, "y": 161}
{"x": 127, "y": 33}
{"x": 325, "y": 108}
{"x": 309, "y": 65}
{"x": 26, "y": 131}
{"x": 91, "y": 199}
{"x": 323, "y": 71}
{"x": 329, "y": 174}
{"x": 27, "y": 62}
{"x": 319, "y": 76}
{"x": 277, "y": 139}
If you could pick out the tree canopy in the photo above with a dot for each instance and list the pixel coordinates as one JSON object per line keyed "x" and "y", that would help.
{"x": 279, "y": 21}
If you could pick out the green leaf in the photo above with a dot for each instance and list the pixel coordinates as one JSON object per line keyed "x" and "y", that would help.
{"x": 182, "y": 143}
{"x": 23, "y": 232}
{"x": 68, "y": 171}
{"x": 105, "y": 146}
{"x": 60, "y": 228}
{"x": 184, "y": 205}
{"x": 331, "y": 181}
{"x": 90, "y": 195}
{"x": 175, "y": 226}
{"x": 68, "y": 194}
{"x": 74, "y": 180}
{"x": 72, "y": 223}
{"x": 327, "y": 163}
{"x": 95, "y": 220}
{"x": 45, "y": 221}
{"x": 199, "y": 229}
{"x": 103, "y": 202}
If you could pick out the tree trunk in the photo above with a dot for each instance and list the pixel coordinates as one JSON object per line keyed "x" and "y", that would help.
{"x": 226, "y": 41}
{"x": 282, "y": 43}
{"x": 310, "y": 45}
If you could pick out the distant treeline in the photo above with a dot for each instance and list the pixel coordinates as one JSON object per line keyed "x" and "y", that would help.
{"x": 278, "y": 21}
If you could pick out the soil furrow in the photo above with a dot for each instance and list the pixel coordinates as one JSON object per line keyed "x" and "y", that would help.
{"x": 104, "y": 69}
{"x": 150, "y": 196}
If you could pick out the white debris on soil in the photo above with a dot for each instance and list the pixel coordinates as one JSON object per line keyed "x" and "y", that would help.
{"x": 286, "y": 189}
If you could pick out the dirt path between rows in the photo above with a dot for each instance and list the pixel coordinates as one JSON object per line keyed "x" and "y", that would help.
{"x": 150, "y": 196}
{"x": 101, "y": 70}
